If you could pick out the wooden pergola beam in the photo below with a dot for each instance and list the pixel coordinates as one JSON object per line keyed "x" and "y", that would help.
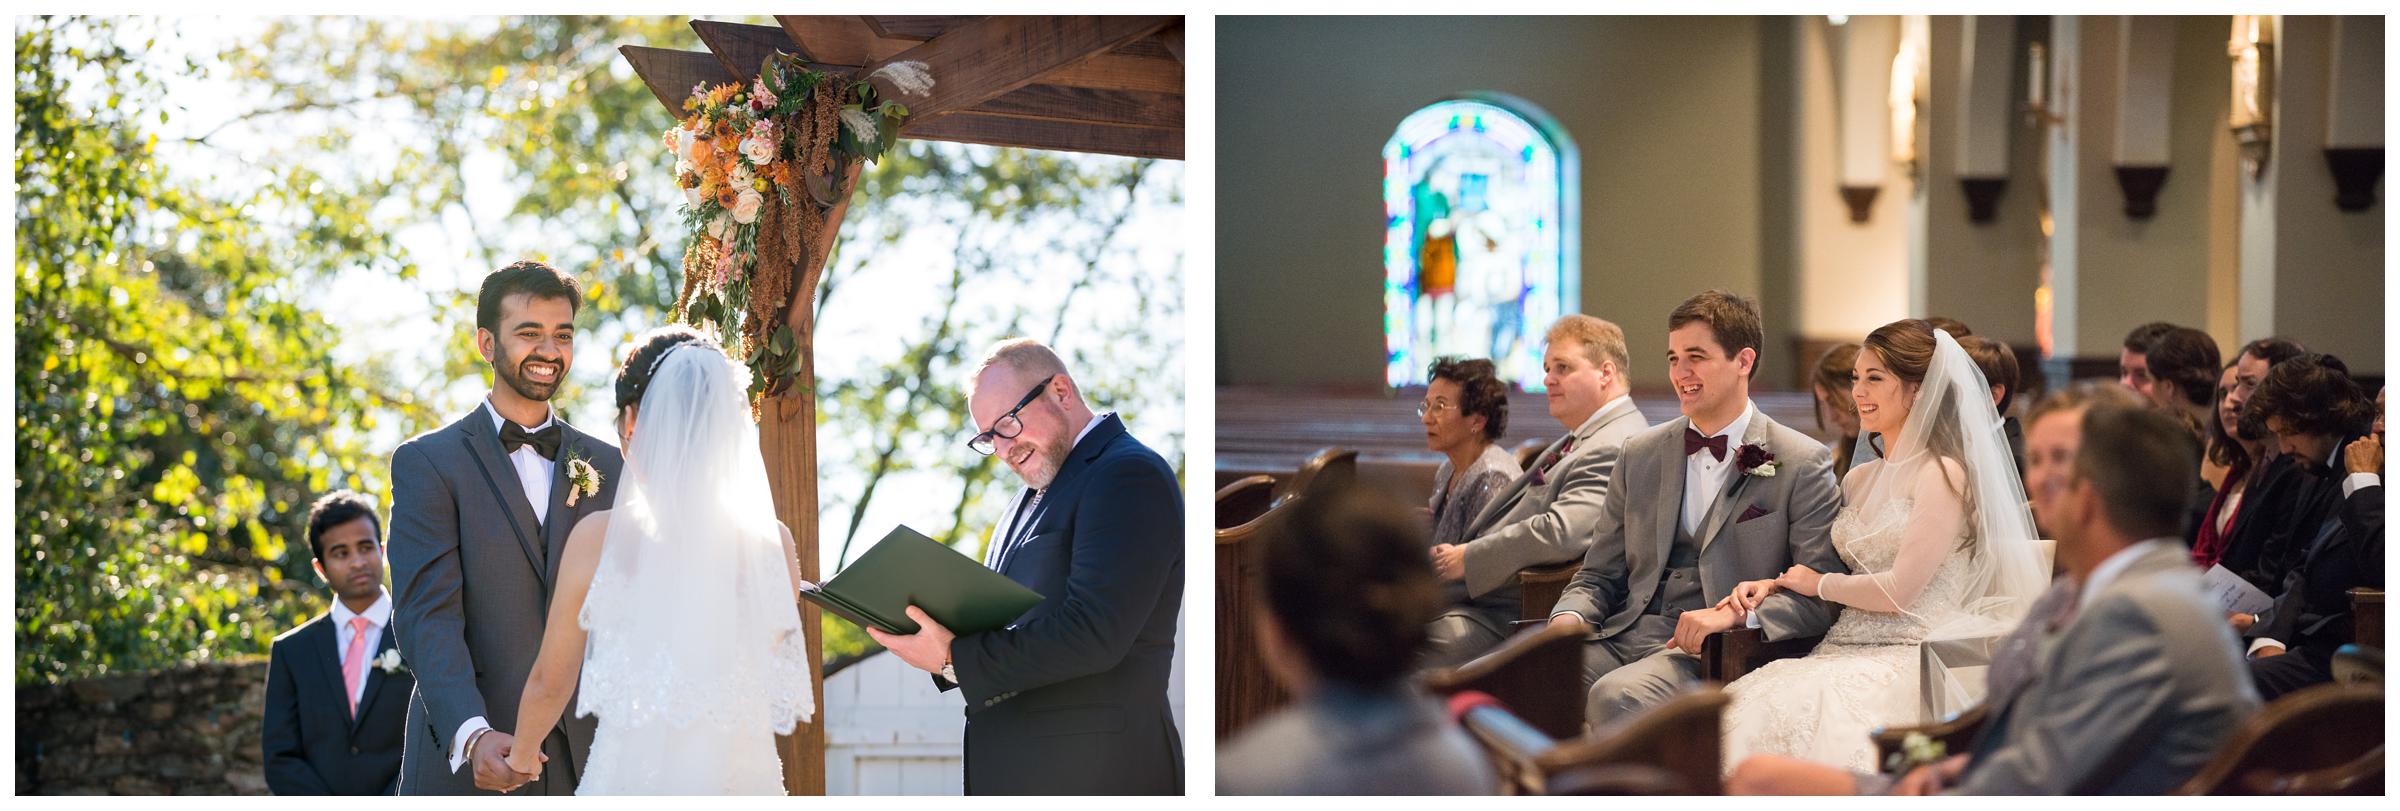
{"x": 831, "y": 40}
{"x": 979, "y": 61}
{"x": 742, "y": 48}
{"x": 838, "y": 40}
{"x": 670, "y": 74}
{"x": 983, "y": 128}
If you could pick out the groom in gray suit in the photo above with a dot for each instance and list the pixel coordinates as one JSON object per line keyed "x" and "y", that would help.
{"x": 1546, "y": 515}
{"x": 1718, "y": 496}
{"x": 480, "y": 514}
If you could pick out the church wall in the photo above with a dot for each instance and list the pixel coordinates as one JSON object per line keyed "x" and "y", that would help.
{"x": 1663, "y": 111}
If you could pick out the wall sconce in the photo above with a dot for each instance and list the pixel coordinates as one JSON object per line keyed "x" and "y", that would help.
{"x": 2252, "y": 116}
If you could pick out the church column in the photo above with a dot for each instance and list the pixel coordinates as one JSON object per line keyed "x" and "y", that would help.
{"x": 2110, "y": 270}
{"x": 2309, "y": 270}
{"x": 1975, "y": 146}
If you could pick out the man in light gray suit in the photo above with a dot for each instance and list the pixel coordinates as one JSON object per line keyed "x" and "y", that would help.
{"x": 2139, "y": 680}
{"x": 1546, "y": 515}
{"x": 1720, "y": 495}
{"x": 480, "y": 515}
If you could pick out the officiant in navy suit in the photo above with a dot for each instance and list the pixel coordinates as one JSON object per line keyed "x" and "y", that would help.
{"x": 1072, "y": 698}
{"x": 337, "y": 692}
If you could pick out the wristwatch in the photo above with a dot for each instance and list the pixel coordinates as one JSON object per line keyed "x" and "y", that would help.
{"x": 949, "y": 672}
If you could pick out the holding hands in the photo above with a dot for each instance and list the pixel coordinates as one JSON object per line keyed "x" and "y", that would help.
{"x": 1747, "y": 595}
{"x": 1695, "y": 626}
{"x": 1800, "y": 579}
{"x": 500, "y": 766}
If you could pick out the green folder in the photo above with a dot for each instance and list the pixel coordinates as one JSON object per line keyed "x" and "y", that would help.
{"x": 906, "y": 568}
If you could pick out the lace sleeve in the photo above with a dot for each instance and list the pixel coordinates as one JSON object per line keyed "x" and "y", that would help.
{"x": 1928, "y": 536}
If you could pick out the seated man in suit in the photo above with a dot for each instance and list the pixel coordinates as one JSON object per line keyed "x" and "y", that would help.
{"x": 1346, "y": 595}
{"x": 337, "y": 695}
{"x": 2292, "y": 643}
{"x": 1546, "y": 515}
{"x": 2138, "y": 686}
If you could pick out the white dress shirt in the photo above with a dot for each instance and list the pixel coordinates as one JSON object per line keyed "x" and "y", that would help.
{"x": 533, "y": 472}
{"x": 379, "y": 616}
{"x": 1705, "y": 476}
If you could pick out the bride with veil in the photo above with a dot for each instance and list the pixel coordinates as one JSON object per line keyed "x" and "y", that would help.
{"x": 1939, "y": 543}
{"x": 677, "y": 609}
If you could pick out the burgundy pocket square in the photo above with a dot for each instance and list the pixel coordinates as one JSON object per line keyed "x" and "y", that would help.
{"x": 1754, "y": 512}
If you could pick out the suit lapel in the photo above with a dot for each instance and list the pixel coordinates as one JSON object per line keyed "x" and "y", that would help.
{"x": 328, "y": 656}
{"x": 375, "y": 677}
{"x": 562, "y": 521}
{"x": 1508, "y": 498}
{"x": 483, "y": 444}
{"x": 1758, "y": 433}
{"x": 1670, "y": 490}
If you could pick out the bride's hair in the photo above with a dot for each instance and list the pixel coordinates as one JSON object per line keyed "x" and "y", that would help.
{"x": 1906, "y": 348}
{"x": 640, "y": 365}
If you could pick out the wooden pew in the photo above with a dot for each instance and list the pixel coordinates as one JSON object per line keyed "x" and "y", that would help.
{"x": 1727, "y": 655}
{"x": 2326, "y": 739}
{"x": 1538, "y": 673}
{"x": 1673, "y": 749}
{"x": 1245, "y": 690}
{"x": 2366, "y": 616}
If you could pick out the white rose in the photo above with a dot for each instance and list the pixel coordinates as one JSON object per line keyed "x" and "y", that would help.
{"x": 691, "y": 196}
{"x": 760, "y": 151}
{"x": 745, "y": 208}
{"x": 742, "y": 177}
{"x": 683, "y": 144}
{"x": 718, "y": 226}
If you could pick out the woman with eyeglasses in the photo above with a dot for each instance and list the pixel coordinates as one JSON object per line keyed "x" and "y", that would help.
{"x": 1465, "y": 411}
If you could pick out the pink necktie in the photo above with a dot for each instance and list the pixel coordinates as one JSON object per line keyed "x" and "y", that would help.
{"x": 354, "y": 663}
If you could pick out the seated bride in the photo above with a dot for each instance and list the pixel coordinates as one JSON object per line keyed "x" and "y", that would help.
{"x": 1938, "y": 539}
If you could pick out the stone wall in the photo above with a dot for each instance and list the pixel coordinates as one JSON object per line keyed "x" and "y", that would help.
{"x": 189, "y": 730}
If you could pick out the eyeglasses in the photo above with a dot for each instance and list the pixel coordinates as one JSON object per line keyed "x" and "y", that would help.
{"x": 1431, "y": 406}
{"x": 1008, "y": 426}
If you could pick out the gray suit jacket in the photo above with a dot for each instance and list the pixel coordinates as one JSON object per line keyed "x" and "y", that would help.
{"x": 2131, "y": 697}
{"x": 1530, "y": 524}
{"x": 472, "y": 572}
{"x": 1755, "y": 529}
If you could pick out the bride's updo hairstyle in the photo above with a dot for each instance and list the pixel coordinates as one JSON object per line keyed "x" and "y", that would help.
{"x": 633, "y": 379}
{"x": 1906, "y": 348}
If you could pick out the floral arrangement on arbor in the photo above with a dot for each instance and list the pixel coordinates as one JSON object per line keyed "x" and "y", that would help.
{"x": 759, "y": 166}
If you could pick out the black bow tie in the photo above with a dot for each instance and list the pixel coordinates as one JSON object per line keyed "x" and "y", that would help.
{"x": 544, "y": 441}
{"x": 1693, "y": 442}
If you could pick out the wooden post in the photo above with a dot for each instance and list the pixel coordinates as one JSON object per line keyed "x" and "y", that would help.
{"x": 787, "y": 438}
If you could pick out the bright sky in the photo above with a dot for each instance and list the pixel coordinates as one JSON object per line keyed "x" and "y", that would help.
{"x": 384, "y": 317}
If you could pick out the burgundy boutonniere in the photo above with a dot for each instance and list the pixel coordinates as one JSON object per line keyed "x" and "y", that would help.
{"x": 1541, "y": 467}
{"x": 1755, "y": 461}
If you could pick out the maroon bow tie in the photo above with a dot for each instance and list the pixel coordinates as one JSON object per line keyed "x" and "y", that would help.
{"x": 1693, "y": 442}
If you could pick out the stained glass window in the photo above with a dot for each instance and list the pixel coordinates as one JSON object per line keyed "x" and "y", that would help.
{"x": 1479, "y": 250}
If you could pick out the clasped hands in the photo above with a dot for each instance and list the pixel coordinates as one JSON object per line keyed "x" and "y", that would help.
{"x": 501, "y": 766}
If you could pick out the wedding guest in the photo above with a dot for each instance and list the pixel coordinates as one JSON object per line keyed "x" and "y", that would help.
{"x": 337, "y": 695}
{"x": 2182, "y": 363}
{"x": 1072, "y": 697}
{"x": 1545, "y": 515}
{"x": 2133, "y": 364}
{"x": 2135, "y": 690}
{"x": 1345, "y": 599}
{"x": 1999, "y": 366}
{"x": 2229, "y": 465}
{"x": 1837, "y": 416}
{"x": 2319, "y": 418}
{"x": 1465, "y": 413}
{"x": 2311, "y": 409}
{"x": 2273, "y": 481}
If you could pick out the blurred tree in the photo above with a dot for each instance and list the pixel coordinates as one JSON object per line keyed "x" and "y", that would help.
{"x": 177, "y": 411}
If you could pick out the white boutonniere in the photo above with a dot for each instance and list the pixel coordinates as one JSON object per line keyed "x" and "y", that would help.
{"x": 390, "y": 662}
{"x": 1756, "y": 460}
{"x": 582, "y": 478}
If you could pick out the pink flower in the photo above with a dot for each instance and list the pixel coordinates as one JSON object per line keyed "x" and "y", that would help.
{"x": 761, "y": 97}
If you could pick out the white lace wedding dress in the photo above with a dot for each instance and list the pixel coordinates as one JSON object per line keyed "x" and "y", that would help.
{"x": 1822, "y": 707}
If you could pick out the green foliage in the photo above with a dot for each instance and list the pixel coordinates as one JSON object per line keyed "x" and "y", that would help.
{"x": 177, "y": 410}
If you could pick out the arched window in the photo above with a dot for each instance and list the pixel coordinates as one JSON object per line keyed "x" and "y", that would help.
{"x": 1479, "y": 250}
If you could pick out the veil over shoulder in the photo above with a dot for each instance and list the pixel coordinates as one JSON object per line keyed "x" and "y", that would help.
{"x": 696, "y": 655}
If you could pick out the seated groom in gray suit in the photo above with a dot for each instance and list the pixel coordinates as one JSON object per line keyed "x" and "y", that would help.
{"x": 2138, "y": 680}
{"x": 1546, "y": 515}
{"x": 1720, "y": 495}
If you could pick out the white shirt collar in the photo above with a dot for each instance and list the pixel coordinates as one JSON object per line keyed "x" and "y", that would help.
{"x": 2112, "y": 568}
{"x": 550, "y": 416}
{"x": 1593, "y": 421}
{"x": 380, "y": 613}
{"x": 1087, "y": 427}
